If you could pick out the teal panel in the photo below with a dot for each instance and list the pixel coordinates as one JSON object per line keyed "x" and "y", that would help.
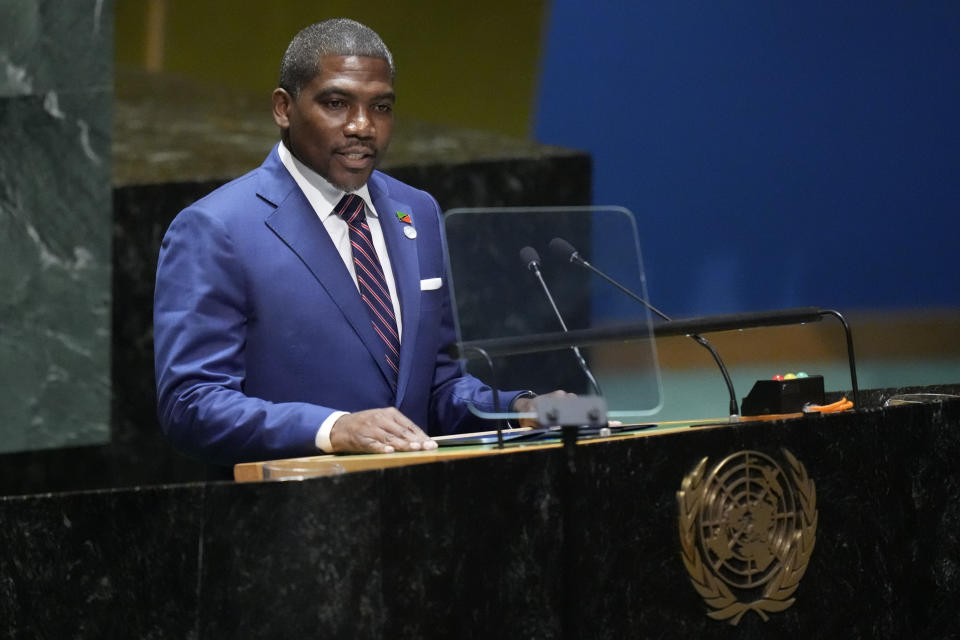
{"x": 55, "y": 223}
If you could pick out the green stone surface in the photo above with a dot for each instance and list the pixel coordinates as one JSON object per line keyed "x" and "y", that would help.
{"x": 55, "y": 223}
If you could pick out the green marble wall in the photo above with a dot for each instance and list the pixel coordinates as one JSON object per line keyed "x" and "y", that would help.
{"x": 56, "y": 70}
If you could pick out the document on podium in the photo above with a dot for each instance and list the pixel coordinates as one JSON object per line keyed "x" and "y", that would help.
{"x": 518, "y": 273}
{"x": 541, "y": 435}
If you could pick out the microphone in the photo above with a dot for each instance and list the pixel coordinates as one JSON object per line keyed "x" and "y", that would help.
{"x": 531, "y": 259}
{"x": 567, "y": 253}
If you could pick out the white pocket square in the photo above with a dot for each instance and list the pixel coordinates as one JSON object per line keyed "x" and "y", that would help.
{"x": 431, "y": 284}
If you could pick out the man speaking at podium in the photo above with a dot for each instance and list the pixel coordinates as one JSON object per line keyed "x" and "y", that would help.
{"x": 304, "y": 307}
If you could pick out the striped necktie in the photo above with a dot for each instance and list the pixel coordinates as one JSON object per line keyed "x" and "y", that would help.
{"x": 370, "y": 279}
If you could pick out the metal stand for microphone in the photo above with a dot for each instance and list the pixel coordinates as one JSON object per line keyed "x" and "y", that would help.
{"x": 493, "y": 386}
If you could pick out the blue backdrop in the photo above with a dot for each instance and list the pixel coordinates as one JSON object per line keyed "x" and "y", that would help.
{"x": 776, "y": 154}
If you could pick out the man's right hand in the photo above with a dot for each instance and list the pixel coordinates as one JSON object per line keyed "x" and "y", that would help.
{"x": 378, "y": 431}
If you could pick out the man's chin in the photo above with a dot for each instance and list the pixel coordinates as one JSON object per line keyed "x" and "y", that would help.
{"x": 349, "y": 181}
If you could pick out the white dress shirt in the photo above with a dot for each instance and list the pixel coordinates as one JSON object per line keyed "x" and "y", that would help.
{"x": 323, "y": 197}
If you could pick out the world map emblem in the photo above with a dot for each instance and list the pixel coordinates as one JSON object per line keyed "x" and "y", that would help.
{"x": 747, "y": 530}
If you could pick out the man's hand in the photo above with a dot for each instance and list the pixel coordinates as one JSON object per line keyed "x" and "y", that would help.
{"x": 529, "y": 405}
{"x": 378, "y": 431}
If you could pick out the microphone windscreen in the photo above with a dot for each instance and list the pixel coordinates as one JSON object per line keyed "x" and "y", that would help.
{"x": 562, "y": 249}
{"x": 529, "y": 255}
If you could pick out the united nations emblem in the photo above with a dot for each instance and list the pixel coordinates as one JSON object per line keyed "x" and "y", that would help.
{"x": 747, "y": 530}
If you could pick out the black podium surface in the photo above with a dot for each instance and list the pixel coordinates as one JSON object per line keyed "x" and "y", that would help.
{"x": 540, "y": 544}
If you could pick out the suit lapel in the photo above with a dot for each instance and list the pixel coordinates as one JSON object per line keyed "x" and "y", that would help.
{"x": 405, "y": 263}
{"x": 298, "y": 226}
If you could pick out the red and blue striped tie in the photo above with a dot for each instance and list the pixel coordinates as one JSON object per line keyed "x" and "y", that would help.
{"x": 370, "y": 279}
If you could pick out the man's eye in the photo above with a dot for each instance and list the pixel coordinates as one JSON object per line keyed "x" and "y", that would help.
{"x": 383, "y": 108}
{"x": 334, "y": 104}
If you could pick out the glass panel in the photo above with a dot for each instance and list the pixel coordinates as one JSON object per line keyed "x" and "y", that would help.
{"x": 496, "y": 295}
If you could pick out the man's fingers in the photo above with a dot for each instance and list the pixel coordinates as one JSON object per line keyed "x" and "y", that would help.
{"x": 378, "y": 431}
{"x": 400, "y": 425}
{"x": 380, "y": 447}
{"x": 398, "y": 441}
{"x": 399, "y": 431}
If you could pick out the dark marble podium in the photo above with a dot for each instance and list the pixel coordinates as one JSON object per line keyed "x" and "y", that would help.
{"x": 532, "y": 544}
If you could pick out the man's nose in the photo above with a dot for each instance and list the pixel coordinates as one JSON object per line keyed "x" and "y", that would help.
{"x": 359, "y": 124}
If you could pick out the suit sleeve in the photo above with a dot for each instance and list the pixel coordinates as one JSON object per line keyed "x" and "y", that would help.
{"x": 200, "y": 323}
{"x": 454, "y": 390}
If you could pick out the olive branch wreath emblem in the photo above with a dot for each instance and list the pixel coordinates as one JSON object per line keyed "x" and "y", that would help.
{"x": 777, "y": 594}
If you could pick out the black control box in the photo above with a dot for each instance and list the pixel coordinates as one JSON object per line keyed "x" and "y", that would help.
{"x": 782, "y": 396}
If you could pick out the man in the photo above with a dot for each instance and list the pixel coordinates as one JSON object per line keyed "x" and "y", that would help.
{"x": 303, "y": 308}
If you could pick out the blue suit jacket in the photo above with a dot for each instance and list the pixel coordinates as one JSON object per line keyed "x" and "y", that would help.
{"x": 260, "y": 333}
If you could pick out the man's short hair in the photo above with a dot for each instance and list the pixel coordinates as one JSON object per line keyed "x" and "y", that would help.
{"x": 334, "y": 37}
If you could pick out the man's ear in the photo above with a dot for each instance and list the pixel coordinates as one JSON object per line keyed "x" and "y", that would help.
{"x": 282, "y": 102}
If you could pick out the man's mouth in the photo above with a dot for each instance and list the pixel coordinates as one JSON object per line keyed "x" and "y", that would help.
{"x": 359, "y": 160}
{"x": 357, "y": 156}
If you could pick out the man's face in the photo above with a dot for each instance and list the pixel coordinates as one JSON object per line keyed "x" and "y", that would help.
{"x": 340, "y": 124}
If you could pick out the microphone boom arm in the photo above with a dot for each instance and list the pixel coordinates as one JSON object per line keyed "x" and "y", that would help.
{"x": 529, "y": 255}
{"x": 562, "y": 247}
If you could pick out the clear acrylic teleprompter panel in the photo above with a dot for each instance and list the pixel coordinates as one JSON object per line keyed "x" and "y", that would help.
{"x": 495, "y": 295}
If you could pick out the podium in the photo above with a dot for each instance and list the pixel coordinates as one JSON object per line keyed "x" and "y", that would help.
{"x": 535, "y": 542}
{"x": 547, "y": 542}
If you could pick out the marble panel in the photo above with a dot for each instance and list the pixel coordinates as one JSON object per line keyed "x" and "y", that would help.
{"x": 293, "y": 559}
{"x": 55, "y": 270}
{"x": 51, "y": 46}
{"x": 473, "y": 549}
{"x": 55, "y": 207}
{"x": 105, "y": 564}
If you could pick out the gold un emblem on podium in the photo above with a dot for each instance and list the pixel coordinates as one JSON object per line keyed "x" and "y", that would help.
{"x": 747, "y": 530}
